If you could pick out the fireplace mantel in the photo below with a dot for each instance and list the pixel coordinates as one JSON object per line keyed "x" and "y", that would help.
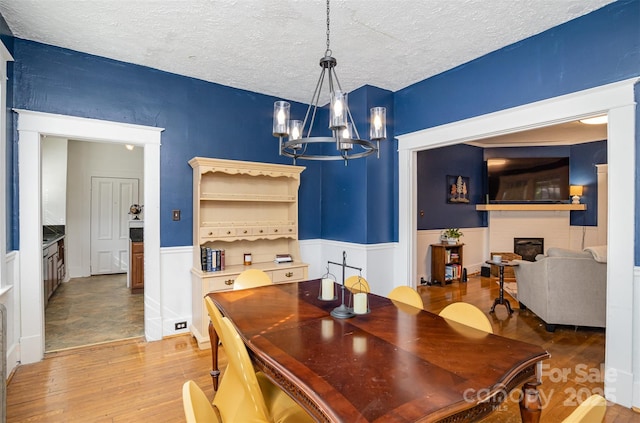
{"x": 530, "y": 207}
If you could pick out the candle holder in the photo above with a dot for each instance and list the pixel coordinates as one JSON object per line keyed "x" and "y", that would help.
{"x": 359, "y": 297}
{"x": 328, "y": 287}
{"x": 343, "y": 311}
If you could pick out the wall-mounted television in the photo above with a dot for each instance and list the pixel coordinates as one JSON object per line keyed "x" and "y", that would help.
{"x": 528, "y": 180}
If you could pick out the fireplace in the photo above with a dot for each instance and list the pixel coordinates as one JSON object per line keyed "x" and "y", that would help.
{"x": 528, "y": 248}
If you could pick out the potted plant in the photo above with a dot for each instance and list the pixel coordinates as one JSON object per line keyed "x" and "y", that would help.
{"x": 451, "y": 235}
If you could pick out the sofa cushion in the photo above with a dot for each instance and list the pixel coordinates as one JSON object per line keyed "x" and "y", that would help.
{"x": 599, "y": 253}
{"x": 563, "y": 252}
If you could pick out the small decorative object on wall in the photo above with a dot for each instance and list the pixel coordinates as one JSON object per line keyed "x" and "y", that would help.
{"x": 458, "y": 189}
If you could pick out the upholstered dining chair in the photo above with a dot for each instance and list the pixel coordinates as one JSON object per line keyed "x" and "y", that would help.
{"x": 197, "y": 408}
{"x": 251, "y": 278}
{"x": 468, "y": 315}
{"x": 270, "y": 403}
{"x": 214, "y": 315}
{"x": 407, "y": 295}
{"x": 357, "y": 284}
{"x": 590, "y": 410}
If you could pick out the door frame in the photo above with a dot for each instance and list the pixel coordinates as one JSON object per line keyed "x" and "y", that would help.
{"x": 618, "y": 101}
{"x": 31, "y": 127}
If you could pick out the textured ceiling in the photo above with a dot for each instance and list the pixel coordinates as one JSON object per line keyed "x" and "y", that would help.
{"x": 273, "y": 46}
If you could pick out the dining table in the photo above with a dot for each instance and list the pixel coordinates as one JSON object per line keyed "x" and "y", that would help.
{"x": 394, "y": 363}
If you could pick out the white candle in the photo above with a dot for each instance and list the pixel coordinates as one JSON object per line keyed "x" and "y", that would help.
{"x": 327, "y": 289}
{"x": 360, "y": 303}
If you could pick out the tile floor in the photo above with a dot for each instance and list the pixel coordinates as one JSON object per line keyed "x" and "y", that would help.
{"x": 91, "y": 310}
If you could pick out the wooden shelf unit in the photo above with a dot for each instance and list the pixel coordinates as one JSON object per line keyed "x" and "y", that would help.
{"x": 242, "y": 207}
{"x": 445, "y": 256}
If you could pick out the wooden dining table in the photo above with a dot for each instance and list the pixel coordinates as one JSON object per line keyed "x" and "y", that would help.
{"x": 394, "y": 364}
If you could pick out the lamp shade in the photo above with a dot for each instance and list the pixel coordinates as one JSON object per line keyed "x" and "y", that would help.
{"x": 281, "y": 111}
{"x": 575, "y": 190}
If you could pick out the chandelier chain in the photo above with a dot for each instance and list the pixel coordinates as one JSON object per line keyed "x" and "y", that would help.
{"x": 328, "y": 22}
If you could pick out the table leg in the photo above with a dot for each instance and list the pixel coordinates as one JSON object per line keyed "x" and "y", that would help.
{"x": 215, "y": 372}
{"x": 530, "y": 404}
{"x": 500, "y": 299}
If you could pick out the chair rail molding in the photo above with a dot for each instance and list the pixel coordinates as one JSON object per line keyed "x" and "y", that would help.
{"x": 617, "y": 100}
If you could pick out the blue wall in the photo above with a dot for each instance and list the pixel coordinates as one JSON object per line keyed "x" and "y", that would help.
{"x": 582, "y": 163}
{"x": 6, "y": 36}
{"x": 200, "y": 119}
{"x": 599, "y": 48}
{"x": 465, "y": 160}
{"x": 592, "y": 50}
{"x": 211, "y": 120}
{"x": 358, "y": 200}
{"x": 433, "y": 168}
{"x": 207, "y": 119}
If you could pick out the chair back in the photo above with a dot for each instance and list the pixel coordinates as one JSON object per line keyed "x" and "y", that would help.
{"x": 468, "y": 315}
{"x": 591, "y": 410}
{"x": 240, "y": 364}
{"x": 197, "y": 408}
{"x": 251, "y": 278}
{"x": 214, "y": 315}
{"x": 357, "y": 284}
{"x": 407, "y": 295}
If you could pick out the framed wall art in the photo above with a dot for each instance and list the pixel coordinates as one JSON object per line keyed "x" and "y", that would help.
{"x": 458, "y": 191}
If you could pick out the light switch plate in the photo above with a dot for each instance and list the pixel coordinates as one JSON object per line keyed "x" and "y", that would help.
{"x": 176, "y": 214}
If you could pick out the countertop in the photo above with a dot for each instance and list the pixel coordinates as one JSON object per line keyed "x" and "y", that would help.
{"x": 50, "y": 240}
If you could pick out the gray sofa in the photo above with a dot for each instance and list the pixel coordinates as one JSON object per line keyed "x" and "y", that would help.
{"x": 565, "y": 287}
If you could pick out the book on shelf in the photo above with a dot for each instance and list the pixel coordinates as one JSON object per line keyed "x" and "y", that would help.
{"x": 211, "y": 260}
{"x": 283, "y": 258}
{"x": 452, "y": 271}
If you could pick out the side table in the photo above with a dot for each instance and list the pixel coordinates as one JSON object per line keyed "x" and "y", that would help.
{"x": 501, "y": 300}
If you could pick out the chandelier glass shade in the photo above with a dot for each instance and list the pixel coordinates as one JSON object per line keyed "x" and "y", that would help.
{"x": 295, "y": 136}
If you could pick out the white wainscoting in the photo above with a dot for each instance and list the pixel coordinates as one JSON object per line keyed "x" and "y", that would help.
{"x": 376, "y": 261}
{"x": 10, "y": 297}
{"x": 475, "y": 250}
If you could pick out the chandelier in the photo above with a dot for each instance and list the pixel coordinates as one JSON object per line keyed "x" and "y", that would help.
{"x": 295, "y": 135}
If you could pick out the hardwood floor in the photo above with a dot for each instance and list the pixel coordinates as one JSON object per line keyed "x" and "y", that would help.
{"x": 571, "y": 374}
{"x": 136, "y": 381}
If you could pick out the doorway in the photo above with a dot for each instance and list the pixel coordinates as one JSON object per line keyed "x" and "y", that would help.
{"x": 616, "y": 99}
{"x": 103, "y": 181}
{"x": 31, "y": 126}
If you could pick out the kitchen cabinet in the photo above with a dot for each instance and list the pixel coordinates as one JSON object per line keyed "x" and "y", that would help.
{"x": 54, "y": 270}
{"x": 137, "y": 266}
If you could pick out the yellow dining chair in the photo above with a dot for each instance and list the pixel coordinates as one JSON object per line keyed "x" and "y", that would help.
{"x": 214, "y": 315}
{"x": 590, "y": 410}
{"x": 357, "y": 284}
{"x": 468, "y": 315}
{"x": 251, "y": 278}
{"x": 407, "y": 295}
{"x": 197, "y": 408}
{"x": 270, "y": 403}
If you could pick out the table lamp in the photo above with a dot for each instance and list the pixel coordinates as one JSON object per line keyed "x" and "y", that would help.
{"x": 575, "y": 191}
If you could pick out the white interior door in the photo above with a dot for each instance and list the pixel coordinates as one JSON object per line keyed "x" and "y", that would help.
{"x": 110, "y": 202}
